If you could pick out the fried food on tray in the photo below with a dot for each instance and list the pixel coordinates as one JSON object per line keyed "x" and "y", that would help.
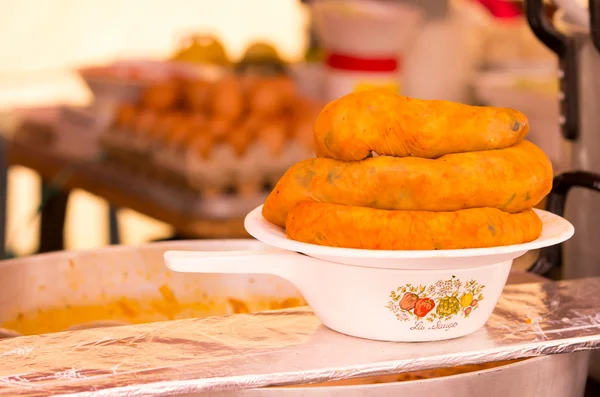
{"x": 126, "y": 116}
{"x": 273, "y": 135}
{"x": 164, "y": 126}
{"x": 162, "y": 96}
{"x": 202, "y": 145}
{"x": 353, "y": 126}
{"x": 511, "y": 179}
{"x": 145, "y": 120}
{"x": 198, "y": 94}
{"x": 367, "y": 228}
{"x": 271, "y": 96}
{"x": 240, "y": 139}
{"x": 228, "y": 98}
{"x": 219, "y": 127}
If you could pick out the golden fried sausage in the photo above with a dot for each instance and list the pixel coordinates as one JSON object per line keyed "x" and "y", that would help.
{"x": 351, "y": 127}
{"x": 367, "y": 228}
{"x": 511, "y": 179}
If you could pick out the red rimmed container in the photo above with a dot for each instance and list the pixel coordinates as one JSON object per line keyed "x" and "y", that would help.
{"x": 365, "y": 41}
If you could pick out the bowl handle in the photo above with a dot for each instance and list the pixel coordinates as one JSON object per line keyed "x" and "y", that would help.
{"x": 272, "y": 261}
{"x": 565, "y": 47}
{"x": 551, "y": 257}
{"x": 594, "y": 6}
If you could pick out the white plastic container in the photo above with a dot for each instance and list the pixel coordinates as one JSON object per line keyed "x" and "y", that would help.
{"x": 366, "y": 41}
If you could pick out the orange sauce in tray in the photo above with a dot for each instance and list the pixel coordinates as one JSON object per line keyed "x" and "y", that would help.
{"x": 168, "y": 307}
{"x": 138, "y": 311}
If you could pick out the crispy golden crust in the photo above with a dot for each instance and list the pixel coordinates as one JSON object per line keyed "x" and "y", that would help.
{"x": 351, "y": 127}
{"x": 512, "y": 179}
{"x": 366, "y": 228}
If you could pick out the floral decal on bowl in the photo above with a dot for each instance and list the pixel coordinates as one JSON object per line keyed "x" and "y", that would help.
{"x": 441, "y": 302}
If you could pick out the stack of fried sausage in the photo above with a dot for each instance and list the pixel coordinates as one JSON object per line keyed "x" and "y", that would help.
{"x": 444, "y": 176}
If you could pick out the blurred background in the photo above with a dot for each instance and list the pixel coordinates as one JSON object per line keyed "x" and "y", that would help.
{"x": 123, "y": 122}
{"x": 144, "y": 120}
{"x": 50, "y": 40}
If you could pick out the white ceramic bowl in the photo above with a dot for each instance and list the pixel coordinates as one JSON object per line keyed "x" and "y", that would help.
{"x": 367, "y": 302}
{"x": 402, "y": 296}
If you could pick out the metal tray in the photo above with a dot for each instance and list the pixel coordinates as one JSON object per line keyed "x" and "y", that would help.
{"x": 242, "y": 354}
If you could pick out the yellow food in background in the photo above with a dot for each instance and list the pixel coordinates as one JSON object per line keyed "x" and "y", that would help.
{"x": 202, "y": 50}
{"x": 548, "y": 87}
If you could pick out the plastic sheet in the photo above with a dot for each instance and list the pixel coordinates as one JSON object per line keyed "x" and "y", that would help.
{"x": 284, "y": 347}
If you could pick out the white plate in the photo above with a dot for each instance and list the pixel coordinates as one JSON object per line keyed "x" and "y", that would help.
{"x": 555, "y": 230}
